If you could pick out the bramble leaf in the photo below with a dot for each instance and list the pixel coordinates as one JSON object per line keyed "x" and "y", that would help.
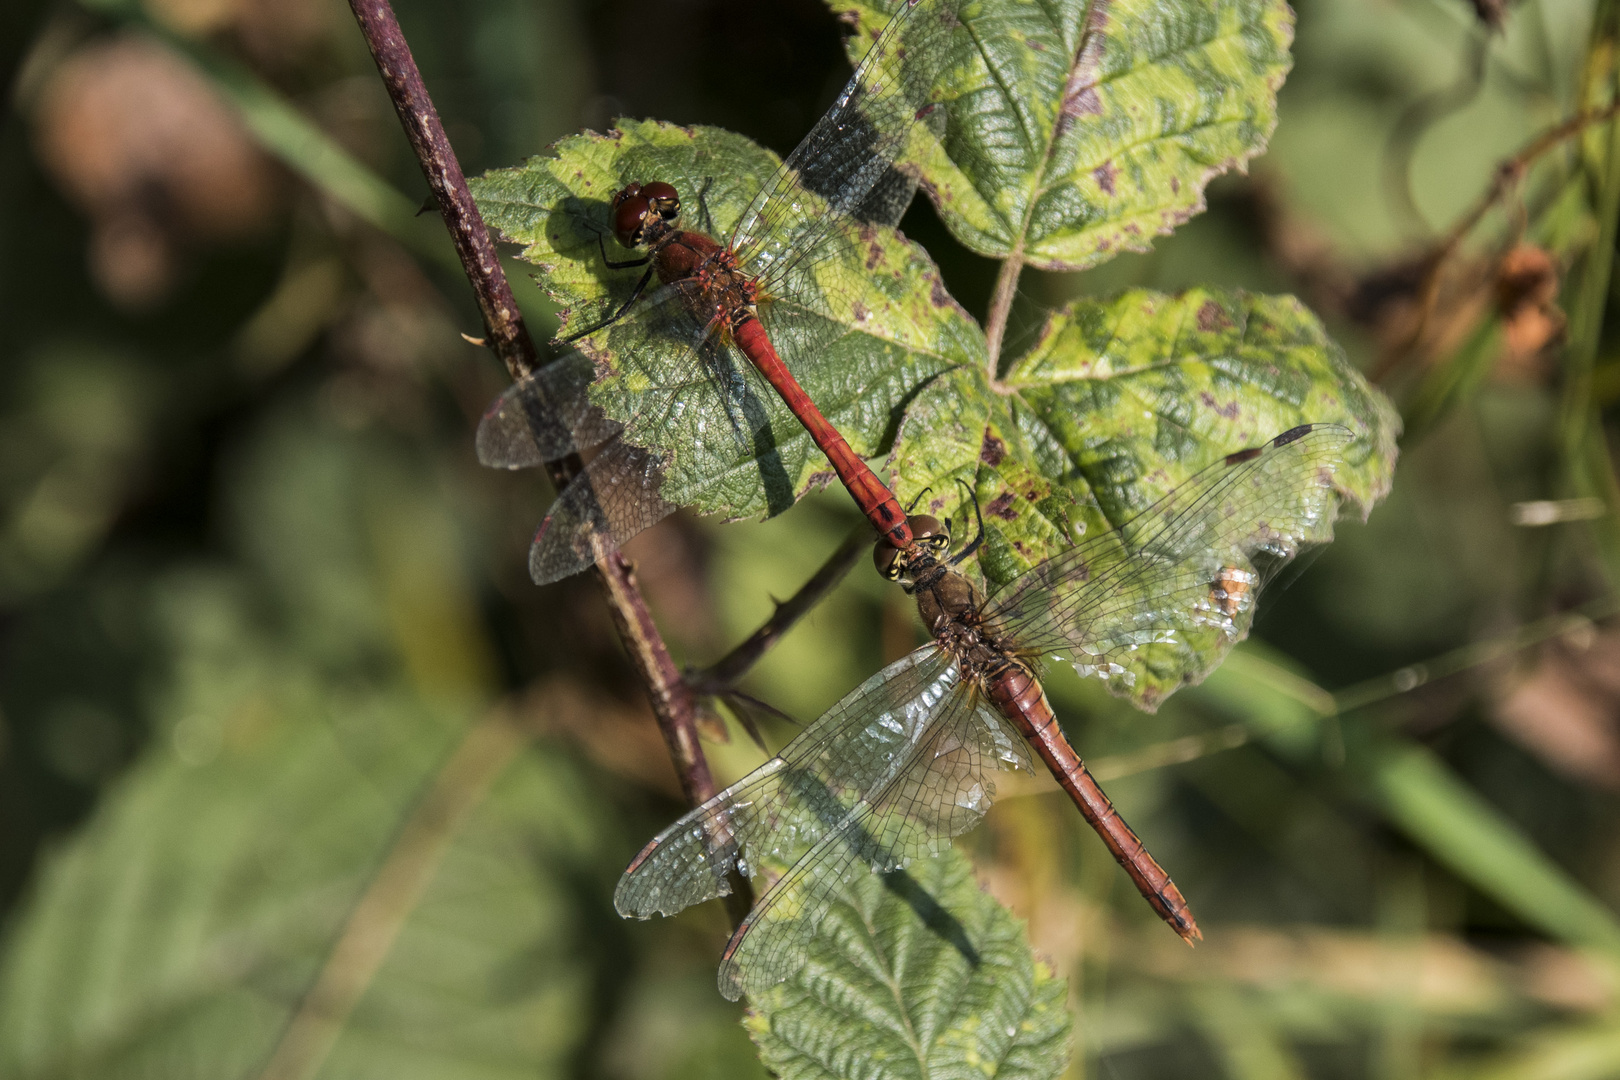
{"x": 180, "y": 932}
{"x": 1122, "y": 400}
{"x": 1119, "y": 401}
{"x": 881, "y": 325}
{"x": 325, "y": 822}
{"x": 1076, "y": 130}
{"x": 916, "y": 974}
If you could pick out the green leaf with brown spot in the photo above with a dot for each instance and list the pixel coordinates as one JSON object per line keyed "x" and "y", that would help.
{"x": 1120, "y": 401}
{"x": 863, "y": 331}
{"x": 1078, "y": 130}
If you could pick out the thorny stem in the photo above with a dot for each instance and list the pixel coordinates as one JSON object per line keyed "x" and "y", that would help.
{"x": 1000, "y": 308}
{"x": 508, "y": 337}
{"x": 724, "y": 673}
{"x": 1506, "y": 177}
{"x": 672, "y": 700}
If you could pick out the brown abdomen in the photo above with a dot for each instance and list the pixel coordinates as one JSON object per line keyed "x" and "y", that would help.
{"x": 1017, "y": 693}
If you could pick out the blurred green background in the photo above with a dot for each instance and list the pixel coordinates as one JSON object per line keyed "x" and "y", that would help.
{"x": 268, "y": 649}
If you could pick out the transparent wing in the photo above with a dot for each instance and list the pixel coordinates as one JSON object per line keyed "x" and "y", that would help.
{"x": 616, "y": 497}
{"x": 543, "y": 417}
{"x": 773, "y": 811}
{"x": 943, "y": 789}
{"x": 887, "y": 774}
{"x": 843, "y": 170}
{"x": 548, "y": 416}
{"x": 1177, "y": 584}
{"x": 670, "y": 375}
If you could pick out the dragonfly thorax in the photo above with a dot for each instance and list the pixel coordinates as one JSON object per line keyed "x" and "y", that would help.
{"x": 944, "y": 597}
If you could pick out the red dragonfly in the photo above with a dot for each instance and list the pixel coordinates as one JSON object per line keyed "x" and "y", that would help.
{"x": 753, "y": 294}
{"x": 905, "y": 762}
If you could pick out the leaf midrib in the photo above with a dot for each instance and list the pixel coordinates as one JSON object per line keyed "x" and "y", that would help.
{"x": 1038, "y": 186}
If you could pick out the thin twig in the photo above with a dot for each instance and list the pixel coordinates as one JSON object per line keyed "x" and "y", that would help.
{"x": 1472, "y": 655}
{"x": 1510, "y": 172}
{"x": 724, "y": 673}
{"x": 1507, "y": 176}
{"x": 509, "y": 337}
{"x": 1359, "y": 696}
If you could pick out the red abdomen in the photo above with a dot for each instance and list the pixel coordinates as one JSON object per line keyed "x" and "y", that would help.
{"x": 874, "y": 498}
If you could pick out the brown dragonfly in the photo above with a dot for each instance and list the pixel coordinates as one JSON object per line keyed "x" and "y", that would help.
{"x": 906, "y": 761}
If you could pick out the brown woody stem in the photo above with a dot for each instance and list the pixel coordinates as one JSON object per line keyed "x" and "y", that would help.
{"x": 1511, "y": 171}
{"x": 507, "y": 335}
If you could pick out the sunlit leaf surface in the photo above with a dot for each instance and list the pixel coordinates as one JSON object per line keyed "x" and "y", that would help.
{"x": 918, "y": 974}
{"x": 1079, "y": 130}
{"x": 870, "y": 325}
{"x": 1121, "y": 400}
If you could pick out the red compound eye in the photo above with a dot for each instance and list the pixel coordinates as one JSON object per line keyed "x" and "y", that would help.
{"x": 629, "y": 191}
{"x": 663, "y": 198}
{"x": 629, "y": 215}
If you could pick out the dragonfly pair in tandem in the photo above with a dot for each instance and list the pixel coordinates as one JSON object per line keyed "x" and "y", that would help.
{"x": 907, "y": 760}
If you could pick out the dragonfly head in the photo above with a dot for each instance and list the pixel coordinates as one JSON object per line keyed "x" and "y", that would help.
{"x": 642, "y": 211}
{"x": 931, "y": 539}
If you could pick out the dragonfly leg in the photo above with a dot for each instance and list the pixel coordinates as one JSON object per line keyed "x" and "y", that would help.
{"x": 617, "y": 315}
{"x": 703, "y": 205}
{"x": 621, "y": 265}
{"x": 957, "y": 559}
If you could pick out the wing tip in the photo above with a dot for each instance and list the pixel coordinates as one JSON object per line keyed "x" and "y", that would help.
{"x": 730, "y": 979}
{"x": 549, "y": 561}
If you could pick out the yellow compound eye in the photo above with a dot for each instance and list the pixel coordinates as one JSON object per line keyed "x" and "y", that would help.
{"x": 928, "y": 534}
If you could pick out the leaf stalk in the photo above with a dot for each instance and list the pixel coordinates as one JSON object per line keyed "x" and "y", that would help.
{"x": 1001, "y": 301}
